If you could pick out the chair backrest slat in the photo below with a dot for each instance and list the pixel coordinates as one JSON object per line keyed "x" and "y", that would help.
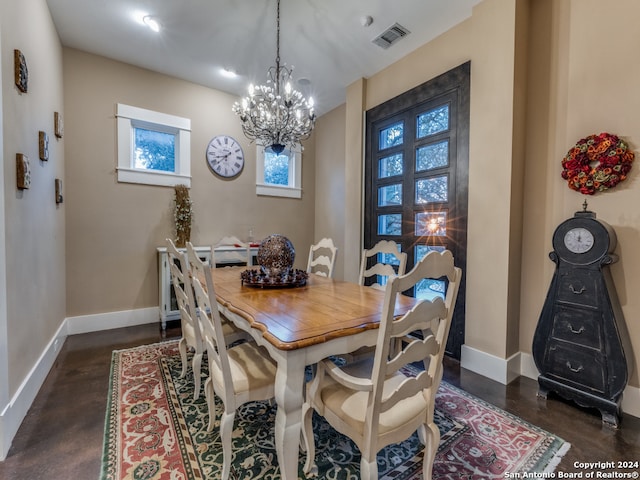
{"x": 384, "y": 269}
{"x": 322, "y": 258}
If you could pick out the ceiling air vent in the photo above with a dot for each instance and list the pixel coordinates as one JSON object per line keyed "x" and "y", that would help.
{"x": 391, "y": 35}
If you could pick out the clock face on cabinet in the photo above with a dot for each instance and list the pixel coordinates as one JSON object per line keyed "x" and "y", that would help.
{"x": 578, "y": 240}
{"x": 225, "y": 156}
{"x": 583, "y": 240}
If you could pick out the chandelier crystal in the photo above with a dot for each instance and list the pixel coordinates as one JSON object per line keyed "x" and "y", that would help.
{"x": 275, "y": 115}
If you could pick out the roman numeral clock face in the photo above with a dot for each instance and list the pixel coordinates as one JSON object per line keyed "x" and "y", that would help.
{"x": 225, "y": 156}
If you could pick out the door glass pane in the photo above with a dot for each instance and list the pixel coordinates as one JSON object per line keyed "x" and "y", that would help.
{"x": 390, "y": 166}
{"x": 390, "y": 195}
{"x": 391, "y": 136}
{"x": 428, "y": 288}
{"x": 390, "y": 224}
{"x": 388, "y": 258}
{"x": 432, "y": 156}
{"x": 433, "y": 121}
{"x": 434, "y": 189}
{"x": 422, "y": 250}
{"x": 431, "y": 224}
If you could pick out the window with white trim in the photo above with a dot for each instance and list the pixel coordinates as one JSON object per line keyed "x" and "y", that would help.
{"x": 279, "y": 175}
{"x": 153, "y": 148}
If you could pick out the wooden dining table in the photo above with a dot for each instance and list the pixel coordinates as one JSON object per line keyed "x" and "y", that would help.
{"x": 300, "y": 326}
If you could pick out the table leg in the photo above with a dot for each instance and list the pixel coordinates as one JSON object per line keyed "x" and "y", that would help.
{"x": 288, "y": 426}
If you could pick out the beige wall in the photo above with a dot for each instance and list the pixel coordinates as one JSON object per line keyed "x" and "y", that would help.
{"x": 571, "y": 69}
{"x": 113, "y": 228}
{"x": 34, "y": 224}
{"x": 540, "y": 81}
{"x": 330, "y": 183}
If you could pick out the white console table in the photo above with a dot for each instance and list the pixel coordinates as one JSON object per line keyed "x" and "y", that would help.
{"x": 224, "y": 256}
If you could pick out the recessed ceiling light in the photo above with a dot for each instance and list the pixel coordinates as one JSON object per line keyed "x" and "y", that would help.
{"x": 228, "y": 73}
{"x": 152, "y": 23}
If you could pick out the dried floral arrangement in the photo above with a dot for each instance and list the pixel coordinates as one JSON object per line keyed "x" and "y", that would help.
{"x": 183, "y": 215}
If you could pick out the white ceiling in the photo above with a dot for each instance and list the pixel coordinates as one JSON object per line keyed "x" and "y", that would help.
{"x": 323, "y": 39}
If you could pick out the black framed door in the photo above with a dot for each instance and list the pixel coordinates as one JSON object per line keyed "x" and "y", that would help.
{"x": 416, "y": 178}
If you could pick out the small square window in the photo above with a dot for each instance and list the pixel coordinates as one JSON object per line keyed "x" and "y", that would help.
{"x": 153, "y": 148}
{"x": 279, "y": 175}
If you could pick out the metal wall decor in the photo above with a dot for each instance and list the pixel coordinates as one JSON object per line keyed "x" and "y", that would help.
{"x": 21, "y": 71}
{"x": 58, "y": 124}
{"x": 43, "y": 145}
{"x": 58, "y": 184}
{"x": 23, "y": 171}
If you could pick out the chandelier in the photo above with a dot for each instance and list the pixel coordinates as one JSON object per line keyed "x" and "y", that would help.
{"x": 275, "y": 115}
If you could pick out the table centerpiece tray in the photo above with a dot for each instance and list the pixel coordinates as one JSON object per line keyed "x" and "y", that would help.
{"x": 259, "y": 279}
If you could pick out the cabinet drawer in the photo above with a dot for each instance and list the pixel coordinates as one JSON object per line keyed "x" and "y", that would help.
{"x": 580, "y": 289}
{"x": 581, "y": 366}
{"x": 580, "y": 326}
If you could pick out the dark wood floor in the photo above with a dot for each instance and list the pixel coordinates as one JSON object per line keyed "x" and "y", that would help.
{"x": 61, "y": 437}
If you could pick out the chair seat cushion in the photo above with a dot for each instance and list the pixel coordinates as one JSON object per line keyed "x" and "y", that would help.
{"x": 251, "y": 368}
{"x": 228, "y": 328}
{"x": 351, "y": 405}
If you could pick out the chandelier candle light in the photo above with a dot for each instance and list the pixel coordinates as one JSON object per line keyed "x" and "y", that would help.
{"x": 275, "y": 115}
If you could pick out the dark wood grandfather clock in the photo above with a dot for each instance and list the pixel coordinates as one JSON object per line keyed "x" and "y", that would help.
{"x": 581, "y": 345}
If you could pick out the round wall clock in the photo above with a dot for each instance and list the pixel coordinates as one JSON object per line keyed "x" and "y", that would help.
{"x": 225, "y": 156}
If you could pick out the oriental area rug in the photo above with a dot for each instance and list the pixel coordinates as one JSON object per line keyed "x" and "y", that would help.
{"x": 155, "y": 431}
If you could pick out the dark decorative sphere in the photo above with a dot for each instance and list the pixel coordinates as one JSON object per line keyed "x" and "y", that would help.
{"x": 276, "y": 255}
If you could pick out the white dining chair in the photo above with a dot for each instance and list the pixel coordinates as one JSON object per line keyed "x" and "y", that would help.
{"x": 240, "y": 255}
{"x": 322, "y": 258}
{"x": 239, "y": 374}
{"x": 374, "y": 401}
{"x": 378, "y": 264}
{"x": 189, "y": 325}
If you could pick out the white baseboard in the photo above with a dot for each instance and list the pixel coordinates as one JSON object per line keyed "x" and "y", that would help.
{"x": 13, "y": 415}
{"x": 496, "y": 368}
{"x": 631, "y": 401}
{"x": 110, "y": 320}
{"x": 505, "y": 370}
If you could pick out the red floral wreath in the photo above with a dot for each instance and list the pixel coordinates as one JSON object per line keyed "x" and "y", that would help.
{"x": 597, "y": 163}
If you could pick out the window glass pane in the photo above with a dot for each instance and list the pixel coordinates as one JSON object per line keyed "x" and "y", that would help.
{"x": 390, "y": 224}
{"x": 390, "y": 195}
{"x": 276, "y": 168}
{"x": 431, "y": 223}
{"x": 391, "y": 136}
{"x": 433, "y": 121}
{"x": 434, "y": 189}
{"x": 390, "y": 166}
{"x": 154, "y": 150}
{"x": 432, "y": 156}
